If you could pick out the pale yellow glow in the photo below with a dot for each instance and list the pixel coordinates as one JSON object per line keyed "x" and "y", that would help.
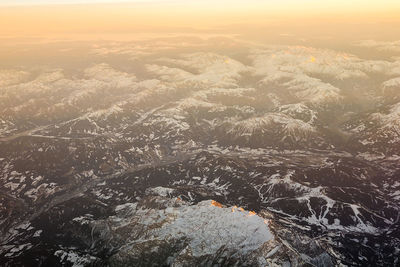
{"x": 176, "y": 15}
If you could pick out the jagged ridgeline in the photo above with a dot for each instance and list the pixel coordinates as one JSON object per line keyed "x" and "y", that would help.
{"x": 186, "y": 151}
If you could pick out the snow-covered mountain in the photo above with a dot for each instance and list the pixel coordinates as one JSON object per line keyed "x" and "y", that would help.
{"x": 189, "y": 154}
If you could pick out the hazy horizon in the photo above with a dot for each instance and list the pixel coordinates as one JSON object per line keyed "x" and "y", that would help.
{"x": 199, "y": 133}
{"x": 309, "y": 18}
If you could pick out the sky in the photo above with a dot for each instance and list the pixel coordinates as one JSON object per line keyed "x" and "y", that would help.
{"x": 341, "y": 4}
{"x": 47, "y": 2}
{"x": 66, "y": 17}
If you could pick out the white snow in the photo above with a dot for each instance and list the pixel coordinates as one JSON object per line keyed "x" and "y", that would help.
{"x": 292, "y": 127}
{"x": 161, "y": 191}
{"x": 74, "y": 258}
{"x": 208, "y": 226}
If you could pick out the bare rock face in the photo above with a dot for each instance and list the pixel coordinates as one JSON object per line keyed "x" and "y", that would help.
{"x": 160, "y": 231}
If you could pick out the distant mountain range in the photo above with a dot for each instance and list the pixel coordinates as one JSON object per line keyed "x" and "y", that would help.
{"x": 276, "y": 156}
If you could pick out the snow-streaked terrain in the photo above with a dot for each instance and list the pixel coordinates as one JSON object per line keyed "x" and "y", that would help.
{"x": 182, "y": 151}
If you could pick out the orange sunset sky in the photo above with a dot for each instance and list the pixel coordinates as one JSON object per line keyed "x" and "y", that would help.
{"x": 22, "y": 18}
